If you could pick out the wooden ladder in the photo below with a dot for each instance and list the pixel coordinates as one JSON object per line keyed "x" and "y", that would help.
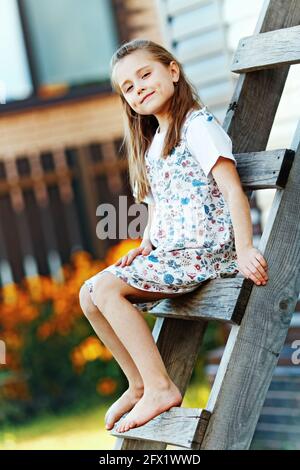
{"x": 260, "y": 315}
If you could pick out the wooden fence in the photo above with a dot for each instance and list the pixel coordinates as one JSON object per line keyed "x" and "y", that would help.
{"x": 48, "y": 206}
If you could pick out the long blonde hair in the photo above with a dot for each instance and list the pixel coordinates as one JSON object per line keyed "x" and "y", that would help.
{"x": 140, "y": 129}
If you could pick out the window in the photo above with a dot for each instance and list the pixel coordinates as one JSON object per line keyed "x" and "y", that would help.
{"x": 51, "y": 48}
{"x": 15, "y": 81}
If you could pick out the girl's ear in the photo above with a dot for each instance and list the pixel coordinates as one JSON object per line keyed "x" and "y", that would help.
{"x": 174, "y": 69}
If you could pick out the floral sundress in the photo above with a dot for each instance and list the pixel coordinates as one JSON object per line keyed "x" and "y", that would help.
{"x": 192, "y": 232}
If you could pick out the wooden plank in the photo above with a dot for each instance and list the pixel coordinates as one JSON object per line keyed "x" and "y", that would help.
{"x": 88, "y": 196}
{"x": 178, "y": 342}
{"x": 219, "y": 299}
{"x": 264, "y": 170}
{"x": 254, "y": 347}
{"x": 177, "y": 426}
{"x": 271, "y": 49}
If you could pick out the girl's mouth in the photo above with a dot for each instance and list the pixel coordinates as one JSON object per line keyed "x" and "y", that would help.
{"x": 148, "y": 96}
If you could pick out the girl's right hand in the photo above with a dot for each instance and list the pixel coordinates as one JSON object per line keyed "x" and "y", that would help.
{"x": 144, "y": 249}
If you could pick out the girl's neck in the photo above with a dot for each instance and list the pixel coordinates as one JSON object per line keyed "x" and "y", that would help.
{"x": 158, "y": 131}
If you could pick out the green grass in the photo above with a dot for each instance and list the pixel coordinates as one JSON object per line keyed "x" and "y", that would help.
{"x": 77, "y": 429}
{"x": 72, "y": 430}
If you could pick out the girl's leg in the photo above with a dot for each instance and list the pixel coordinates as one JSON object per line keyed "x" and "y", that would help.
{"x": 107, "y": 335}
{"x": 160, "y": 393}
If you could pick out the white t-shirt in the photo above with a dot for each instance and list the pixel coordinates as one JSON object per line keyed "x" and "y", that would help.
{"x": 207, "y": 141}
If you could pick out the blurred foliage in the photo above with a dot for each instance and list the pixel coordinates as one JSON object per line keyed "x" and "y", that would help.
{"x": 53, "y": 357}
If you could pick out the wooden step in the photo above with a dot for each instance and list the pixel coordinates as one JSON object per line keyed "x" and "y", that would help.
{"x": 264, "y": 170}
{"x": 222, "y": 299}
{"x": 183, "y": 427}
{"x": 267, "y": 50}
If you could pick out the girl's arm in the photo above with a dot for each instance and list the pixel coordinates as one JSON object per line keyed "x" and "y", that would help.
{"x": 146, "y": 235}
{"x": 250, "y": 261}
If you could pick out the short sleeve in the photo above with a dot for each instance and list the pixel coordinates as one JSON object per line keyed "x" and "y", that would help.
{"x": 207, "y": 141}
{"x": 149, "y": 199}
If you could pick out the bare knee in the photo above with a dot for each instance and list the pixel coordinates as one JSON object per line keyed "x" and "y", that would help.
{"x": 86, "y": 302}
{"x": 105, "y": 287}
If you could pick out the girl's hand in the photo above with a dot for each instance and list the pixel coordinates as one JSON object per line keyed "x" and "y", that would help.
{"x": 144, "y": 249}
{"x": 252, "y": 264}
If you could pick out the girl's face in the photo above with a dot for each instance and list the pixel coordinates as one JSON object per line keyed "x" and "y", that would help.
{"x": 139, "y": 75}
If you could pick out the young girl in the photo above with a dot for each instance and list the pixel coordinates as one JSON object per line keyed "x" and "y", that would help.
{"x": 199, "y": 225}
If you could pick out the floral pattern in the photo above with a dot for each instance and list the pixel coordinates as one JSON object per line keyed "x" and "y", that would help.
{"x": 192, "y": 234}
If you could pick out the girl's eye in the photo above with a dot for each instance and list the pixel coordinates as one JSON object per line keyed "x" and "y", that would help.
{"x": 142, "y": 77}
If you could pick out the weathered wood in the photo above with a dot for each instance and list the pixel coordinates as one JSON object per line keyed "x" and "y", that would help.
{"x": 182, "y": 427}
{"x": 222, "y": 299}
{"x": 252, "y": 350}
{"x": 271, "y": 49}
{"x": 178, "y": 342}
{"x": 264, "y": 170}
{"x": 88, "y": 196}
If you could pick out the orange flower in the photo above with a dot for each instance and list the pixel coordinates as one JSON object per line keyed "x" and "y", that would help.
{"x": 106, "y": 386}
{"x": 44, "y": 330}
{"x": 91, "y": 349}
{"x": 10, "y": 293}
{"x": 25, "y": 302}
{"x": 34, "y": 286}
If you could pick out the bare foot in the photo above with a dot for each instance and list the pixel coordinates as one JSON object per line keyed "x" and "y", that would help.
{"x": 125, "y": 403}
{"x": 154, "y": 402}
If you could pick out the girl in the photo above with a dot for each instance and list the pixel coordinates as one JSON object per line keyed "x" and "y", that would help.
{"x": 199, "y": 224}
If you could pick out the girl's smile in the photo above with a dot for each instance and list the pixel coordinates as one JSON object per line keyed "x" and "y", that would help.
{"x": 147, "y": 96}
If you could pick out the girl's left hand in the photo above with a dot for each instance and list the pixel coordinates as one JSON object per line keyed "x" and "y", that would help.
{"x": 252, "y": 264}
